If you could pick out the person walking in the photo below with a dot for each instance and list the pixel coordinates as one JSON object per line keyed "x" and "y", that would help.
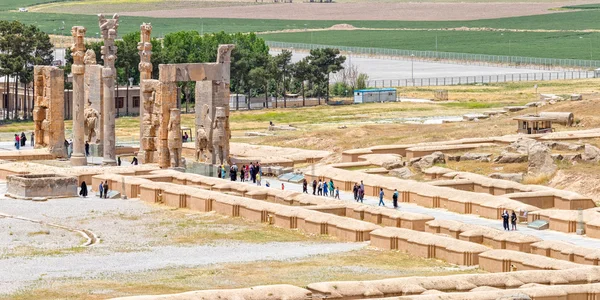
{"x": 395, "y": 198}
{"x": 331, "y": 188}
{"x": 105, "y": 189}
{"x": 320, "y": 188}
{"x": 337, "y": 193}
{"x": 23, "y": 139}
{"x": 505, "y": 220}
{"x": 83, "y": 191}
{"x": 361, "y": 194}
{"x": 381, "y": 197}
{"x": 101, "y": 188}
{"x": 355, "y": 191}
{"x": 325, "y": 189}
{"x": 31, "y": 142}
{"x": 305, "y": 186}
{"x": 513, "y": 220}
{"x": 17, "y": 141}
{"x": 258, "y": 177}
{"x": 242, "y": 173}
{"x": 87, "y": 148}
{"x": 314, "y": 186}
{"x": 219, "y": 172}
{"x": 252, "y": 173}
{"x": 118, "y": 160}
{"x": 282, "y": 186}
{"x": 223, "y": 172}
{"x": 134, "y": 161}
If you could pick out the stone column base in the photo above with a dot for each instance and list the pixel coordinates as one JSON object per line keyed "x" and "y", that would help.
{"x": 78, "y": 160}
{"x": 109, "y": 162}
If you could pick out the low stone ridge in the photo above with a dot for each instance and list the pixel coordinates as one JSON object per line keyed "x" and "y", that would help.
{"x": 427, "y": 245}
{"x": 404, "y": 173}
{"x": 425, "y": 162}
{"x": 456, "y": 284}
{"x": 508, "y": 260}
{"x": 591, "y": 153}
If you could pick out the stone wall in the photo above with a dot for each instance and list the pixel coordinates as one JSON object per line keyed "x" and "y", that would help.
{"x": 41, "y": 186}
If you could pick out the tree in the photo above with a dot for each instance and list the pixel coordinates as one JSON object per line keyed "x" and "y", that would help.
{"x": 127, "y": 62}
{"x": 303, "y": 71}
{"x": 361, "y": 81}
{"x": 325, "y": 61}
{"x": 21, "y": 47}
{"x": 282, "y": 65}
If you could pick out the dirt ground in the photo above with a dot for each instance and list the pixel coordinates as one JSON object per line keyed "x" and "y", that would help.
{"x": 413, "y": 11}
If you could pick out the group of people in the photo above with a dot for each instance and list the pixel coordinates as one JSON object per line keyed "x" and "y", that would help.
{"x": 102, "y": 189}
{"x": 513, "y": 220}
{"x": 322, "y": 188}
{"x": 185, "y": 137}
{"x": 251, "y": 172}
{"x": 21, "y": 139}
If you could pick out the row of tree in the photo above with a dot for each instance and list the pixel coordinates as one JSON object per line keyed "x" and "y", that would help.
{"x": 21, "y": 47}
{"x": 253, "y": 70}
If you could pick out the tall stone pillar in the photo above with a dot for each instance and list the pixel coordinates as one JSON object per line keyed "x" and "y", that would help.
{"x": 78, "y": 157}
{"x": 48, "y": 109}
{"x": 145, "y": 67}
{"x": 108, "y": 29}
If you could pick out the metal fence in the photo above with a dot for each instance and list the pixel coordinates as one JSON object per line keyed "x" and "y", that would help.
{"x": 440, "y": 81}
{"x": 451, "y": 57}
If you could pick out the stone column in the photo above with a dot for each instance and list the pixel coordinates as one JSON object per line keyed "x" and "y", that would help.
{"x": 108, "y": 28}
{"x": 78, "y": 157}
{"x": 145, "y": 67}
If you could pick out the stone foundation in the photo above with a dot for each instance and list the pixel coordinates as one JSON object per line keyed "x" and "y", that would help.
{"x": 41, "y": 186}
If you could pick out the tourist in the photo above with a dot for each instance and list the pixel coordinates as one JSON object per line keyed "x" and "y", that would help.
{"x": 242, "y": 173}
{"x": 70, "y": 148}
{"x": 118, "y": 160}
{"x": 320, "y": 188}
{"x": 17, "y": 141}
{"x": 232, "y": 173}
{"x": 185, "y": 137}
{"x": 381, "y": 197}
{"x": 235, "y": 172}
{"x": 252, "y": 173}
{"x": 337, "y": 193}
{"x": 305, "y": 186}
{"x": 258, "y": 170}
{"x": 361, "y": 194}
{"x": 83, "y": 191}
{"x": 331, "y": 187}
{"x": 87, "y": 148}
{"x": 362, "y": 185}
{"x": 223, "y": 172}
{"x": 314, "y": 186}
{"x": 505, "y": 220}
{"x": 325, "y": 193}
{"x": 258, "y": 179}
{"x": 282, "y": 186}
{"x": 32, "y": 142}
{"x": 101, "y": 188}
{"x": 355, "y": 191}
{"x": 67, "y": 147}
{"x": 395, "y": 198}
{"x": 105, "y": 189}
{"x": 134, "y": 161}
{"x": 23, "y": 139}
{"x": 219, "y": 172}
{"x": 513, "y": 220}
{"x": 247, "y": 173}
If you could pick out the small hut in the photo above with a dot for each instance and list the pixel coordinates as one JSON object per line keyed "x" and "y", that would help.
{"x": 534, "y": 124}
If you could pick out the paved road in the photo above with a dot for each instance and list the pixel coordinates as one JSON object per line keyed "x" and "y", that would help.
{"x": 442, "y": 214}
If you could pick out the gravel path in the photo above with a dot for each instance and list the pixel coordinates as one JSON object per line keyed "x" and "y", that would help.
{"x": 133, "y": 239}
{"x": 16, "y": 273}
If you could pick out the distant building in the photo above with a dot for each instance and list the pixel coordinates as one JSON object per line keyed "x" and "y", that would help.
{"x": 375, "y": 95}
{"x": 533, "y": 124}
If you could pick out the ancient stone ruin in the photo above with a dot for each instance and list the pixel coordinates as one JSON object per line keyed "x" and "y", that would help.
{"x": 48, "y": 110}
{"x": 41, "y": 186}
{"x": 212, "y": 117}
{"x": 108, "y": 30}
{"x": 78, "y": 157}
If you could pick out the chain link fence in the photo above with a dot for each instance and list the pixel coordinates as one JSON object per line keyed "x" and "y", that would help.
{"x": 451, "y": 57}
{"x": 441, "y": 81}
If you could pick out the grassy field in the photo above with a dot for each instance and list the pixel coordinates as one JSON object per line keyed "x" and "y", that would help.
{"x": 574, "y": 45}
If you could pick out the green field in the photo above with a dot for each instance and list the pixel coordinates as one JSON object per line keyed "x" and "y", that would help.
{"x": 568, "y": 44}
{"x": 530, "y": 44}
